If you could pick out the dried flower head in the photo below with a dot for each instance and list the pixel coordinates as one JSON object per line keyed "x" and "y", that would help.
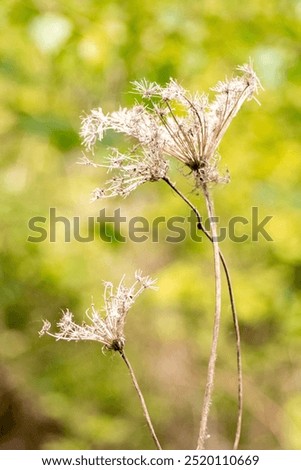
{"x": 174, "y": 123}
{"x": 107, "y": 329}
{"x": 193, "y": 136}
{"x": 143, "y": 163}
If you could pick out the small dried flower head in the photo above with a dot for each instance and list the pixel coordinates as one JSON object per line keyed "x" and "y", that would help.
{"x": 143, "y": 163}
{"x": 93, "y": 128}
{"x": 191, "y": 136}
{"x": 130, "y": 171}
{"x": 107, "y": 329}
{"x": 146, "y": 89}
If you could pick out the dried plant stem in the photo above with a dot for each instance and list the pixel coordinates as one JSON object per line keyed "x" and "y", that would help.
{"x": 233, "y": 309}
{"x": 141, "y": 398}
{"x": 239, "y": 365}
{"x": 216, "y": 324}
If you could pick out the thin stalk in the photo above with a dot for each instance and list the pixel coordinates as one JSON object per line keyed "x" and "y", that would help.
{"x": 233, "y": 310}
{"x": 141, "y": 398}
{"x": 216, "y": 324}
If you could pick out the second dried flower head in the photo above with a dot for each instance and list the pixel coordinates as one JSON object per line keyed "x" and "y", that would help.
{"x": 107, "y": 329}
{"x": 173, "y": 123}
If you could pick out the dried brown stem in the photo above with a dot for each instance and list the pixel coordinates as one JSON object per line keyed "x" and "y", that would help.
{"x": 233, "y": 309}
{"x": 216, "y": 324}
{"x": 141, "y": 398}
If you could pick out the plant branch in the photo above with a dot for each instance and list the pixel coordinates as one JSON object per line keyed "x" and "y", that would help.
{"x": 141, "y": 398}
{"x": 233, "y": 310}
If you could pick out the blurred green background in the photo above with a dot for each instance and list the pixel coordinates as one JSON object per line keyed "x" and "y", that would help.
{"x": 60, "y": 59}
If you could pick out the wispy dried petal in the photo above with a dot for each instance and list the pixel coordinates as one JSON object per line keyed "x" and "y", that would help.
{"x": 45, "y": 328}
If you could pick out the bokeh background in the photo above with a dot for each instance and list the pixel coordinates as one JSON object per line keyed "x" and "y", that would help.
{"x": 60, "y": 59}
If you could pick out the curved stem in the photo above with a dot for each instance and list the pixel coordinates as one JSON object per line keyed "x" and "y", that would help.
{"x": 233, "y": 310}
{"x": 142, "y": 401}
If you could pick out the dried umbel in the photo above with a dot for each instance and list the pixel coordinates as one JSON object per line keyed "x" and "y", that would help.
{"x": 172, "y": 123}
{"x": 107, "y": 329}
